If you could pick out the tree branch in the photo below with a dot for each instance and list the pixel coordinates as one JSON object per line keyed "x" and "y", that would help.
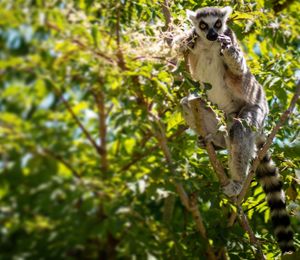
{"x": 189, "y": 204}
{"x": 262, "y": 152}
{"x": 245, "y": 225}
{"x": 120, "y": 56}
{"x": 76, "y": 119}
{"x": 168, "y": 17}
{"x": 198, "y": 119}
{"x": 60, "y": 159}
{"x": 100, "y": 99}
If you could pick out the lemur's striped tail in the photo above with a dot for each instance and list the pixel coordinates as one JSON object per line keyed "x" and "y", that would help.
{"x": 267, "y": 174}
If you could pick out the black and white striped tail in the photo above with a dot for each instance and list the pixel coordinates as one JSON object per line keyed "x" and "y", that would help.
{"x": 268, "y": 175}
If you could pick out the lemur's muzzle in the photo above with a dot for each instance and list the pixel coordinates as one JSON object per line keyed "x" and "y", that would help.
{"x": 212, "y": 35}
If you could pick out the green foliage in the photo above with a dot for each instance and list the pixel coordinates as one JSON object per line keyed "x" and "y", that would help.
{"x": 63, "y": 197}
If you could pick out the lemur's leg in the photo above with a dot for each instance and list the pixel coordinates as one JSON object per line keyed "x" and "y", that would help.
{"x": 242, "y": 139}
{"x": 241, "y": 148}
{"x": 233, "y": 56}
{"x": 210, "y": 122}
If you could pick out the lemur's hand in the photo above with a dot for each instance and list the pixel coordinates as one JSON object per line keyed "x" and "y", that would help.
{"x": 226, "y": 43}
{"x": 233, "y": 56}
{"x": 224, "y": 40}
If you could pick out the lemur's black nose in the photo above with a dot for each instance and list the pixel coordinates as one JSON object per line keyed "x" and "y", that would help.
{"x": 212, "y": 35}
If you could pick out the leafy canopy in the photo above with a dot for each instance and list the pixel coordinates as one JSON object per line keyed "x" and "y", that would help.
{"x": 84, "y": 87}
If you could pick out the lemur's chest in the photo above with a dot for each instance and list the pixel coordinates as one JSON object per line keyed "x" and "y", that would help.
{"x": 207, "y": 67}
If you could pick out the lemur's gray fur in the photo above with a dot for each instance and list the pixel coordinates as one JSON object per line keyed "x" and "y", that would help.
{"x": 215, "y": 57}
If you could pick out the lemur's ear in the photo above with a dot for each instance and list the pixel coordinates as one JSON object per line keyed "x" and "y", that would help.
{"x": 227, "y": 10}
{"x": 191, "y": 16}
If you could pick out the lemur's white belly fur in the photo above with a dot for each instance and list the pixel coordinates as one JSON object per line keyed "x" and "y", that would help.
{"x": 209, "y": 68}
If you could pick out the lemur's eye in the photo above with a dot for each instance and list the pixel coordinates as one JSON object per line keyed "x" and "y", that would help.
{"x": 218, "y": 24}
{"x": 202, "y": 25}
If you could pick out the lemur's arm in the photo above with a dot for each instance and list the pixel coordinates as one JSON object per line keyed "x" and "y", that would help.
{"x": 233, "y": 55}
{"x": 238, "y": 77}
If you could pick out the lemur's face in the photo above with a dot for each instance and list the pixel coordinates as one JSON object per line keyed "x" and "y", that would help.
{"x": 210, "y": 22}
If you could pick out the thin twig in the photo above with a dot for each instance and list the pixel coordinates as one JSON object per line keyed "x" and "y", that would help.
{"x": 99, "y": 99}
{"x": 256, "y": 205}
{"x": 167, "y": 14}
{"x": 245, "y": 225}
{"x": 76, "y": 119}
{"x": 189, "y": 204}
{"x": 120, "y": 56}
{"x": 262, "y": 152}
{"x": 60, "y": 159}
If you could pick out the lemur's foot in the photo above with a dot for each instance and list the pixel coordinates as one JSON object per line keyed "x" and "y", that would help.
{"x": 233, "y": 188}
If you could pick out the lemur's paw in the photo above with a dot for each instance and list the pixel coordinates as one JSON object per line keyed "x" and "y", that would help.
{"x": 233, "y": 188}
{"x": 225, "y": 41}
{"x": 227, "y": 49}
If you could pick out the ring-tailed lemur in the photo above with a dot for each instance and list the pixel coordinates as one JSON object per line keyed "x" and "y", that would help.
{"x": 215, "y": 57}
